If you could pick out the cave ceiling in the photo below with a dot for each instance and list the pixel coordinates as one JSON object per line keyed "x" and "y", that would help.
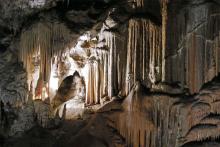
{"x": 78, "y": 15}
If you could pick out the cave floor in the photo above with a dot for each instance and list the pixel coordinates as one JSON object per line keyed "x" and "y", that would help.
{"x": 90, "y": 131}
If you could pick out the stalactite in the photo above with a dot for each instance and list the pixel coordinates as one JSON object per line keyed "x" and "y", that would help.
{"x": 145, "y": 118}
{"x": 95, "y": 76}
{"x": 91, "y": 82}
{"x": 45, "y": 40}
{"x": 192, "y": 47}
{"x": 104, "y": 73}
{"x": 101, "y": 65}
{"x": 115, "y": 69}
{"x": 164, "y": 29}
{"x": 110, "y": 41}
{"x": 144, "y": 54}
{"x": 138, "y": 4}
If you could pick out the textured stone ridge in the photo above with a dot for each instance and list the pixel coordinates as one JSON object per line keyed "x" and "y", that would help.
{"x": 193, "y": 44}
{"x": 13, "y": 94}
{"x": 18, "y": 114}
{"x": 13, "y": 83}
{"x": 158, "y": 120}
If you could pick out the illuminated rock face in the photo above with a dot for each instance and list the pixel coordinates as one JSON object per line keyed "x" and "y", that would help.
{"x": 42, "y": 41}
{"x": 72, "y": 86}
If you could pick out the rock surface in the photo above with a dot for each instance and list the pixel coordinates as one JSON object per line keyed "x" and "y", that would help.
{"x": 192, "y": 56}
{"x": 183, "y": 121}
{"x": 163, "y": 56}
{"x": 13, "y": 86}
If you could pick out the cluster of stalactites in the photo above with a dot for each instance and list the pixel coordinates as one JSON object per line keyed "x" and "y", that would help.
{"x": 45, "y": 40}
{"x": 144, "y": 54}
{"x": 115, "y": 70}
{"x": 138, "y": 3}
{"x": 144, "y": 118}
{"x": 192, "y": 52}
{"x": 95, "y": 77}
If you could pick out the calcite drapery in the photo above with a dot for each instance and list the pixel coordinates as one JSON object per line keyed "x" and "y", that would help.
{"x": 164, "y": 32}
{"x": 144, "y": 54}
{"x": 192, "y": 45}
{"x": 146, "y": 119}
{"x": 91, "y": 62}
{"x": 95, "y": 76}
{"x": 159, "y": 120}
{"x": 114, "y": 62}
{"x": 44, "y": 40}
{"x": 92, "y": 78}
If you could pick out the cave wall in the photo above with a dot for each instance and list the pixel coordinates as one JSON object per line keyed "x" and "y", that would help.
{"x": 13, "y": 80}
{"x": 184, "y": 37}
{"x": 189, "y": 48}
{"x": 192, "y": 47}
{"x": 188, "y": 44}
{"x": 162, "y": 120}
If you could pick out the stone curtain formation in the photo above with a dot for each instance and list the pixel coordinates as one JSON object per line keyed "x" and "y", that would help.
{"x": 44, "y": 40}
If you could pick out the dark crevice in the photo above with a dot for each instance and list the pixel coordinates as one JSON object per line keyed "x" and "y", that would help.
{"x": 202, "y": 126}
{"x": 147, "y": 15}
{"x": 212, "y": 116}
{"x": 215, "y": 80}
{"x": 204, "y": 143}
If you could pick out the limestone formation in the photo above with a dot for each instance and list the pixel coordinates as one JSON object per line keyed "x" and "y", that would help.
{"x": 192, "y": 48}
{"x": 110, "y": 73}
{"x": 144, "y": 53}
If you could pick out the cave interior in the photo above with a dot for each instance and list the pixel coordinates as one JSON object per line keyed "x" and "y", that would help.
{"x": 110, "y": 73}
